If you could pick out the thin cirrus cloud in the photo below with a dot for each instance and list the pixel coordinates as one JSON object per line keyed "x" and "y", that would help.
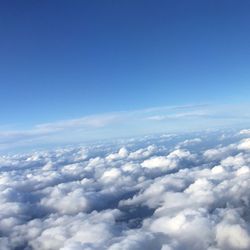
{"x": 179, "y": 115}
{"x": 126, "y": 123}
{"x": 41, "y": 132}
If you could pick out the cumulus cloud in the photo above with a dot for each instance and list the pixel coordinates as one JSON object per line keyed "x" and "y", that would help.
{"x": 170, "y": 161}
{"x": 153, "y": 193}
{"x": 245, "y": 144}
{"x": 245, "y": 132}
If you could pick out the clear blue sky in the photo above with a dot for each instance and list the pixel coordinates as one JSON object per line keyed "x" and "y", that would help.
{"x": 63, "y": 59}
{"x": 67, "y": 59}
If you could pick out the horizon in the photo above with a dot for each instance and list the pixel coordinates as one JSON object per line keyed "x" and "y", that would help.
{"x": 64, "y": 61}
{"x": 125, "y": 125}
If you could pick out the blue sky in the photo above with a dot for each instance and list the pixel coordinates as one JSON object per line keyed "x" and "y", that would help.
{"x": 65, "y": 60}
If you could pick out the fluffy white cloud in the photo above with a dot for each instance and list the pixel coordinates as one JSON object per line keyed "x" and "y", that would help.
{"x": 245, "y": 144}
{"x": 245, "y": 132}
{"x": 170, "y": 161}
{"x": 160, "y": 193}
{"x": 232, "y": 232}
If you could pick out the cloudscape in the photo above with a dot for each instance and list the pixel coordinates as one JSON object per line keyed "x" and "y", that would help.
{"x": 124, "y": 125}
{"x": 158, "y": 192}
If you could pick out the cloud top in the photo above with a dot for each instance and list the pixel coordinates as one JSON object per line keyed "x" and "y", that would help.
{"x": 157, "y": 192}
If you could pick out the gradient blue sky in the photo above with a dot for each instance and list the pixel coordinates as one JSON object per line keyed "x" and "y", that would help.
{"x": 63, "y": 60}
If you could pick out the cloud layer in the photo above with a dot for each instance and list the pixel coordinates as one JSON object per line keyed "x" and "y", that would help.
{"x": 166, "y": 192}
{"x": 124, "y": 124}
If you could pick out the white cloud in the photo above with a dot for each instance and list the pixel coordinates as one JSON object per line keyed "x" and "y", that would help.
{"x": 231, "y": 232}
{"x": 170, "y": 161}
{"x": 157, "y": 192}
{"x": 124, "y": 123}
{"x": 245, "y": 132}
{"x": 244, "y": 144}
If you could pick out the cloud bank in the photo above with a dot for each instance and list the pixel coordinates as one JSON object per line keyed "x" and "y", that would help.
{"x": 166, "y": 192}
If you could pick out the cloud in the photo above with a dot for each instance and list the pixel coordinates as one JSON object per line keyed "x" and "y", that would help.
{"x": 170, "y": 161}
{"x": 232, "y": 233}
{"x": 40, "y": 131}
{"x": 97, "y": 121}
{"x": 154, "y": 192}
{"x": 194, "y": 114}
{"x": 245, "y": 132}
{"x": 123, "y": 124}
{"x": 245, "y": 144}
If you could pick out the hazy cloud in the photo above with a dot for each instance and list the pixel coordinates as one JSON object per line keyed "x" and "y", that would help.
{"x": 129, "y": 123}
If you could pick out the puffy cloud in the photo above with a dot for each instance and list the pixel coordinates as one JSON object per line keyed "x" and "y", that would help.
{"x": 170, "y": 161}
{"x": 219, "y": 152}
{"x": 232, "y": 232}
{"x": 190, "y": 142}
{"x": 245, "y": 144}
{"x": 186, "y": 228}
{"x": 137, "y": 241}
{"x": 245, "y": 132}
{"x": 122, "y": 153}
{"x": 66, "y": 202}
{"x": 161, "y": 193}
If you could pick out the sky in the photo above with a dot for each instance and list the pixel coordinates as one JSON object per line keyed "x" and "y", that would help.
{"x": 124, "y": 124}
{"x": 84, "y": 63}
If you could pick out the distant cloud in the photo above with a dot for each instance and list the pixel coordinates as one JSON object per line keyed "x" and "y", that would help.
{"x": 245, "y": 132}
{"x": 178, "y": 115}
{"x": 128, "y": 123}
{"x": 97, "y": 121}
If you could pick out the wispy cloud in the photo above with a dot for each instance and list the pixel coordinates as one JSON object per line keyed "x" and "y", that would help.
{"x": 97, "y": 121}
{"x": 193, "y": 114}
{"x": 126, "y": 123}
